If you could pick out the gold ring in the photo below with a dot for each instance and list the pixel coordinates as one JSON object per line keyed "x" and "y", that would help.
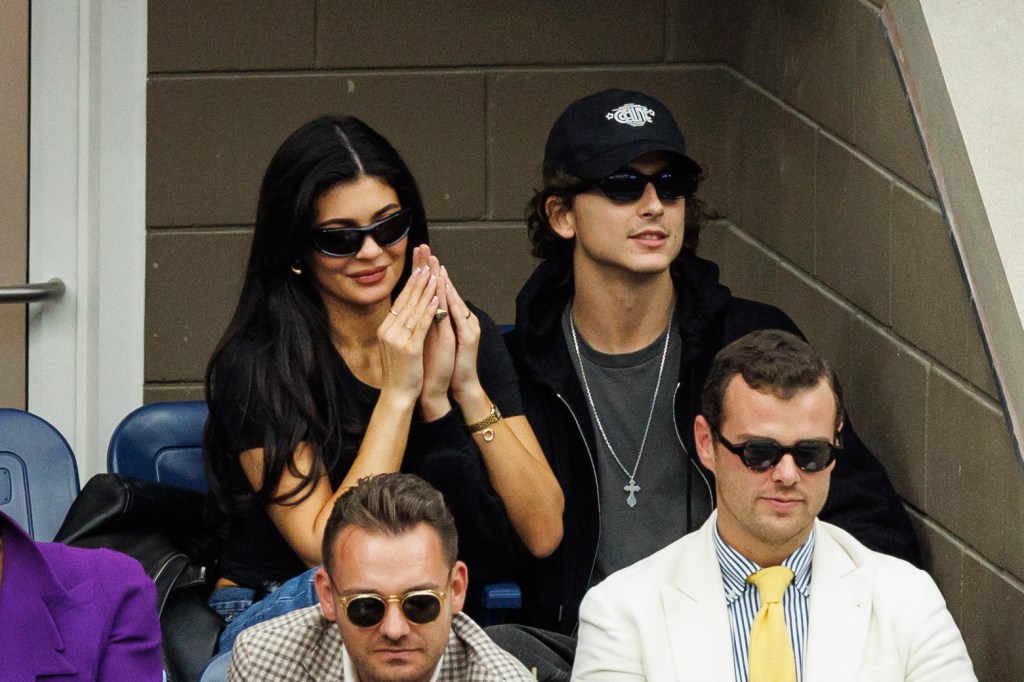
{"x": 392, "y": 311}
{"x": 440, "y": 314}
{"x": 406, "y": 325}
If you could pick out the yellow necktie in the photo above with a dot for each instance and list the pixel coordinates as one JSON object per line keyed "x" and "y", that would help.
{"x": 771, "y": 652}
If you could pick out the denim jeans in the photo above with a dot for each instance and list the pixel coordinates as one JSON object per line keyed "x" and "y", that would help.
{"x": 236, "y": 606}
{"x": 230, "y": 601}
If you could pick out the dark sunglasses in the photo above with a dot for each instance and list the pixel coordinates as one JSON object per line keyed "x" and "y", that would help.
{"x": 346, "y": 241}
{"x": 418, "y": 606}
{"x": 761, "y": 454}
{"x": 628, "y": 185}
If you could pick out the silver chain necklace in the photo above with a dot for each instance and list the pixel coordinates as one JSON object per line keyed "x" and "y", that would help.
{"x": 632, "y": 488}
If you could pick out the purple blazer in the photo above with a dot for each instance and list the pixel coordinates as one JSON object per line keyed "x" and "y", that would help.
{"x": 74, "y": 614}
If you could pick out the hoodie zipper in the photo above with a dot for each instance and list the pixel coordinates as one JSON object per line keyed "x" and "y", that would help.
{"x": 593, "y": 468}
{"x": 707, "y": 484}
{"x": 597, "y": 490}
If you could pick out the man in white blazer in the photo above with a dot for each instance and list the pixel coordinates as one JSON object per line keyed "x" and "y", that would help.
{"x": 769, "y": 430}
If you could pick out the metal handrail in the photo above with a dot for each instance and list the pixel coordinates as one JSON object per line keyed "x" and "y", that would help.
{"x": 29, "y": 293}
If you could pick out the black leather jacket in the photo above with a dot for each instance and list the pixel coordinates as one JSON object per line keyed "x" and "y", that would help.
{"x": 861, "y": 500}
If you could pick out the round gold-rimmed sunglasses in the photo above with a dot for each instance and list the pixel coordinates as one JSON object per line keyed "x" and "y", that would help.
{"x": 418, "y": 606}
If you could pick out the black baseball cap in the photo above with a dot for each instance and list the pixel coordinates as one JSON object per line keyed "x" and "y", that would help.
{"x": 599, "y": 134}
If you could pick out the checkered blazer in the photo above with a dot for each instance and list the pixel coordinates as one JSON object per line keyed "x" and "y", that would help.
{"x": 303, "y": 646}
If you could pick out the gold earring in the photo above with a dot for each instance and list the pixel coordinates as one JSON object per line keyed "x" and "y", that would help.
{"x": 297, "y": 267}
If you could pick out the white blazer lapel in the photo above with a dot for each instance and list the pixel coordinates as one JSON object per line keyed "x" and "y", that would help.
{"x": 696, "y": 616}
{"x": 839, "y": 615}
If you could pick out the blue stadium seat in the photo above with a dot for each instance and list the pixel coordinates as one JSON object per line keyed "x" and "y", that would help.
{"x": 161, "y": 442}
{"x": 498, "y": 599}
{"x": 38, "y": 474}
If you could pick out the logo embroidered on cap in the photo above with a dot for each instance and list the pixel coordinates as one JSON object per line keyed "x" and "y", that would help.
{"x": 635, "y": 115}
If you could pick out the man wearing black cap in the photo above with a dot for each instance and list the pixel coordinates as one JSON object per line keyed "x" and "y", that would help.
{"x": 615, "y": 332}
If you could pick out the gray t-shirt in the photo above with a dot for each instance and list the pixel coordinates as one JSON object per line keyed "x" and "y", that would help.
{"x": 622, "y": 387}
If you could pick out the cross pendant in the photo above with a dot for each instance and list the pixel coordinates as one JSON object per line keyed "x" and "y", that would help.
{"x": 632, "y": 489}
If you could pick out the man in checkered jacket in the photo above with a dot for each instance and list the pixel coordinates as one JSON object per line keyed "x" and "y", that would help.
{"x": 391, "y": 595}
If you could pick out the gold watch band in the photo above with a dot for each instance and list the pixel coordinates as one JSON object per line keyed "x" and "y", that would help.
{"x": 484, "y": 423}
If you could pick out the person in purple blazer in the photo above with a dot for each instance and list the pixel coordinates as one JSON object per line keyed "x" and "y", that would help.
{"x": 74, "y": 614}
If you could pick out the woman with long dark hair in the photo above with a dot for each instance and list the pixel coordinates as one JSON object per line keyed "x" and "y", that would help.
{"x": 352, "y": 353}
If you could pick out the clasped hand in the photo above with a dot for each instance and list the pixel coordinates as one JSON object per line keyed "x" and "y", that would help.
{"x": 426, "y": 355}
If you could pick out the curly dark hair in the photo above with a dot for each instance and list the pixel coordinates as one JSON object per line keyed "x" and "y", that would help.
{"x": 563, "y": 185}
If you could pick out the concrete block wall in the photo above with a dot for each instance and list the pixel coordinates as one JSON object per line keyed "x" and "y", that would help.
{"x": 794, "y": 107}
{"x": 466, "y": 92}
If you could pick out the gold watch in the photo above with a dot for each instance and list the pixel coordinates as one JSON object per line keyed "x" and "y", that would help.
{"x": 484, "y": 424}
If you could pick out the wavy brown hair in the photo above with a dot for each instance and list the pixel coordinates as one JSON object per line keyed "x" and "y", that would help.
{"x": 770, "y": 361}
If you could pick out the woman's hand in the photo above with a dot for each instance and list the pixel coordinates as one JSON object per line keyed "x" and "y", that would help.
{"x": 465, "y": 381}
{"x": 515, "y": 463}
{"x": 439, "y": 350}
{"x": 401, "y": 336}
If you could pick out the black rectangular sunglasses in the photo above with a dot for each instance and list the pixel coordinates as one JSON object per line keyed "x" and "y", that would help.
{"x": 628, "y": 185}
{"x": 761, "y": 454}
{"x": 346, "y": 241}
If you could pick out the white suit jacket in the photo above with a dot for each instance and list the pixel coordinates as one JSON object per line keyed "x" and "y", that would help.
{"x": 872, "y": 618}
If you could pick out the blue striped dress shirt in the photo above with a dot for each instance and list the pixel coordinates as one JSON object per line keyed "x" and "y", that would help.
{"x": 744, "y": 603}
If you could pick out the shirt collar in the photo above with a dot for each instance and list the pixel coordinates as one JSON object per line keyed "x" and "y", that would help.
{"x": 352, "y": 676}
{"x": 736, "y": 567}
